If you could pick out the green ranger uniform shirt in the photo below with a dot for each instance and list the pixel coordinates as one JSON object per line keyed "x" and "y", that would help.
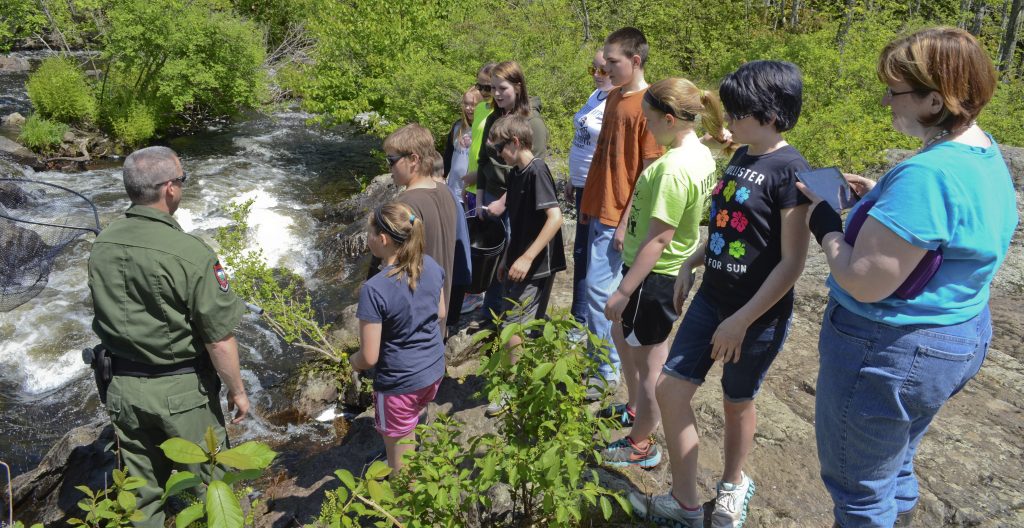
{"x": 672, "y": 190}
{"x": 159, "y": 294}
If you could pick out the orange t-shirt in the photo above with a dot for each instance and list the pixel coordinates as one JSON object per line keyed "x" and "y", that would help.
{"x": 622, "y": 147}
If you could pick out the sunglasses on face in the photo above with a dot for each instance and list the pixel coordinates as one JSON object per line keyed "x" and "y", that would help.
{"x": 484, "y": 88}
{"x": 500, "y": 146}
{"x": 597, "y": 71}
{"x": 737, "y": 117}
{"x": 181, "y": 179}
{"x": 393, "y": 158}
{"x": 890, "y": 94}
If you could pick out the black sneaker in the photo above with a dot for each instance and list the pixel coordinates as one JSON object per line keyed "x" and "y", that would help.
{"x": 620, "y": 412}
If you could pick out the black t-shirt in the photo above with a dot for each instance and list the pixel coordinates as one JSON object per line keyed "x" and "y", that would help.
{"x": 531, "y": 192}
{"x": 745, "y": 228}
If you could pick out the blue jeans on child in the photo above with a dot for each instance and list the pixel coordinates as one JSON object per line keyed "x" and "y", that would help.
{"x": 579, "y": 265}
{"x": 604, "y": 272}
{"x": 689, "y": 358}
{"x": 879, "y": 386}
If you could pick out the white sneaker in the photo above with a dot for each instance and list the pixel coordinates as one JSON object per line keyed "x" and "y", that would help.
{"x": 665, "y": 510}
{"x": 731, "y": 503}
{"x": 497, "y": 408}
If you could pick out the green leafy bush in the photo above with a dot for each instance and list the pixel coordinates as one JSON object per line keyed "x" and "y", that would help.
{"x": 18, "y": 19}
{"x": 113, "y": 507}
{"x": 41, "y": 134}
{"x": 59, "y": 90}
{"x": 134, "y": 124}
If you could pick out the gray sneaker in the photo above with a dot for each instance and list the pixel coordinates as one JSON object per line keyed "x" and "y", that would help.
{"x": 731, "y": 503}
{"x": 598, "y": 387}
{"x": 497, "y": 408}
{"x": 664, "y": 510}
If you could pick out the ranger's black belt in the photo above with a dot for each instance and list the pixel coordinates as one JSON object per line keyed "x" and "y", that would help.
{"x": 134, "y": 369}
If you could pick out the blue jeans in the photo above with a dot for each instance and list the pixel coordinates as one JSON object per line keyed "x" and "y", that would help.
{"x": 690, "y": 356}
{"x": 604, "y": 272}
{"x": 580, "y": 249}
{"x": 494, "y": 297}
{"x": 879, "y": 387}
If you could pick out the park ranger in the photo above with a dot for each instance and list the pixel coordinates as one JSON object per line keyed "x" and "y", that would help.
{"x": 166, "y": 313}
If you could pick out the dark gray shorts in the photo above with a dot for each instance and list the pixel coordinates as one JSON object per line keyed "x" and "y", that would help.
{"x": 531, "y": 295}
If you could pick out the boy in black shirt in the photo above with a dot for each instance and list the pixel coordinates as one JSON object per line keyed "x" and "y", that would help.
{"x": 535, "y": 249}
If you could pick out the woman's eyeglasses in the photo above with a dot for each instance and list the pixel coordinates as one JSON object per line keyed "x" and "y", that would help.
{"x": 483, "y": 88}
{"x": 597, "y": 71}
{"x": 393, "y": 158}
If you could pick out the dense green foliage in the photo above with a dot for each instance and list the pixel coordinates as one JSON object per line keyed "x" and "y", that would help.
{"x": 18, "y": 19}
{"x": 59, "y": 90}
{"x": 540, "y": 454}
{"x": 41, "y": 134}
{"x": 411, "y": 63}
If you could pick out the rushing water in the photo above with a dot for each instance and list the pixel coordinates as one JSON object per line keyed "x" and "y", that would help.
{"x": 288, "y": 168}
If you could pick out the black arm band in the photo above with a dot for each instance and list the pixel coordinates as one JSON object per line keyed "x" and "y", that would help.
{"x": 824, "y": 220}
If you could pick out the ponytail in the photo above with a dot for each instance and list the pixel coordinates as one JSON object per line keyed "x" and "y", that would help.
{"x": 684, "y": 100}
{"x": 405, "y": 229}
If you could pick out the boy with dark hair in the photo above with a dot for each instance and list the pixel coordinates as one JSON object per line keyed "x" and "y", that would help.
{"x": 535, "y": 250}
{"x": 624, "y": 149}
{"x": 756, "y": 247}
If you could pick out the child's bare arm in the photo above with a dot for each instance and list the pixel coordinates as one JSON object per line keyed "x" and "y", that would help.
{"x": 659, "y": 235}
{"x": 730, "y": 333}
{"x": 552, "y": 224}
{"x": 369, "y": 346}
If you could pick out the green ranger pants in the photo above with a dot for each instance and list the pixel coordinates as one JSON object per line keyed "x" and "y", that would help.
{"x": 148, "y": 411}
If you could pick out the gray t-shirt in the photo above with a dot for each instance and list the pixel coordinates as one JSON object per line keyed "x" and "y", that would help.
{"x": 411, "y": 349}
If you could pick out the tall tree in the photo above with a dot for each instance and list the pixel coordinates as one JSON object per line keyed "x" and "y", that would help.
{"x": 1009, "y": 44}
{"x": 979, "y": 17}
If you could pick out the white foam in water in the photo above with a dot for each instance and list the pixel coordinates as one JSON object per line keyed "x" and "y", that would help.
{"x": 270, "y": 230}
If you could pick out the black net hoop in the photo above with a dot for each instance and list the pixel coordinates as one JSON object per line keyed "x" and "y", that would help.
{"x": 37, "y": 221}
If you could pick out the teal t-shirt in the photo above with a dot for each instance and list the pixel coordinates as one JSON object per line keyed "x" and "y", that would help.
{"x": 951, "y": 196}
{"x": 673, "y": 190}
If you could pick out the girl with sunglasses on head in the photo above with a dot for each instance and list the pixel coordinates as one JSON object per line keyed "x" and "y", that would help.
{"x": 458, "y": 142}
{"x": 587, "y": 124}
{"x": 480, "y": 113}
{"x": 400, "y": 313}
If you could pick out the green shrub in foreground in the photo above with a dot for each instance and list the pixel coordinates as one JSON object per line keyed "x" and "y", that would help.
{"x": 59, "y": 90}
{"x": 134, "y": 125}
{"x": 39, "y": 133}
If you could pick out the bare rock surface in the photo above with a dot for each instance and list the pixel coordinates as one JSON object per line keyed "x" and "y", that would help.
{"x": 9, "y": 63}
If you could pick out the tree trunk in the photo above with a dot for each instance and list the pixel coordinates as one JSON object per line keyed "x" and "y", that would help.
{"x": 961, "y": 17}
{"x": 979, "y": 17}
{"x": 844, "y": 28}
{"x": 1002, "y": 18}
{"x": 794, "y": 14}
{"x": 586, "y": 22}
{"x": 1009, "y": 43}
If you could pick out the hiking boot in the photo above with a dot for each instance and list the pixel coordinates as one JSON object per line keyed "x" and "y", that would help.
{"x": 598, "y": 387}
{"x": 624, "y": 452}
{"x": 731, "y": 503}
{"x": 472, "y": 302}
{"x": 665, "y": 510}
{"x": 497, "y": 408}
{"x": 620, "y": 412}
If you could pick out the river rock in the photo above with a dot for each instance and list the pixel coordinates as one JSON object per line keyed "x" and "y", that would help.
{"x": 316, "y": 391}
{"x": 15, "y": 149}
{"x": 68, "y": 137}
{"x": 47, "y": 494}
{"x": 10, "y": 63}
{"x": 13, "y": 120}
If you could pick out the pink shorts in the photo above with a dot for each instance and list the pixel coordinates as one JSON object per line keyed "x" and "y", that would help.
{"x": 398, "y": 414}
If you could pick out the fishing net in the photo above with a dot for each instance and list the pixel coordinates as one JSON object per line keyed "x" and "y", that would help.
{"x": 37, "y": 221}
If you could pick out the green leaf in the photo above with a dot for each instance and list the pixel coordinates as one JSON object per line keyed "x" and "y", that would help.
{"x": 179, "y": 482}
{"x": 127, "y": 501}
{"x": 212, "y": 442}
{"x": 250, "y": 455}
{"x": 606, "y": 507}
{"x": 189, "y": 515}
{"x": 624, "y": 504}
{"x": 559, "y": 372}
{"x": 85, "y": 489}
{"x": 542, "y": 370}
{"x": 346, "y": 478}
{"x": 378, "y": 470}
{"x": 222, "y": 508}
{"x": 376, "y": 491}
{"x": 248, "y": 474}
{"x": 506, "y": 333}
{"x": 183, "y": 452}
{"x": 133, "y": 483}
{"x": 489, "y": 464}
{"x": 549, "y": 332}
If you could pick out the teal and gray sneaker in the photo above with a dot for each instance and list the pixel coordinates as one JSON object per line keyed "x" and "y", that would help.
{"x": 623, "y": 453}
{"x": 620, "y": 412}
{"x": 731, "y": 503}
{"x": 665, "y": 510}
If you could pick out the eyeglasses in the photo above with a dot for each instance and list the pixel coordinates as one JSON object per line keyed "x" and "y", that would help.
{"x": 500, "y": 146}
{"x": 393, "y": 158}
{"x": 890, "y": 94}
{"x": 737, "y": 117}
{"x": 483, "y": 87}
{"x": 597, "y": 71}
{"x": 181, "y": 179}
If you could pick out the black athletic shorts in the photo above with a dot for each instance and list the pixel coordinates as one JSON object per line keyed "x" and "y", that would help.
{"x": 650, "y": 313}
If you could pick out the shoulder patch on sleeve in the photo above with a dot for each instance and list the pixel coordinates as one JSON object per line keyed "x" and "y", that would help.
{"x": 222, "y": 276}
